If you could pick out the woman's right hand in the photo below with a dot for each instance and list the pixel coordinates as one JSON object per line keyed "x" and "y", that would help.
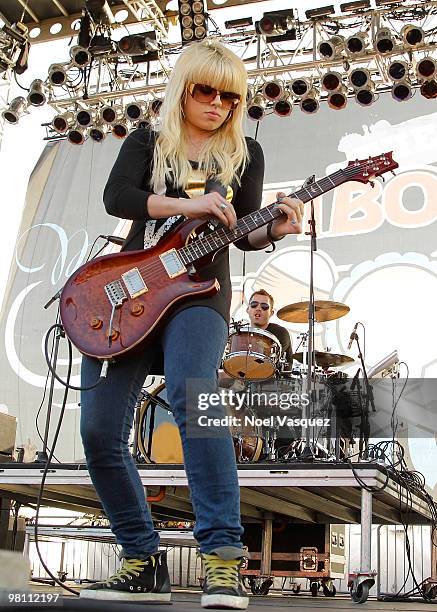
{"x": 210, "y": 205}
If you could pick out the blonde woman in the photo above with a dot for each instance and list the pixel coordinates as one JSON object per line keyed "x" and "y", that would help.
{"x": 198, "y": 166}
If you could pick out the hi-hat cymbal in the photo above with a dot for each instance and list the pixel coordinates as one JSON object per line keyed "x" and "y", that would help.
{"x": 324, "y": 310}
{"x": 326, "y": 360}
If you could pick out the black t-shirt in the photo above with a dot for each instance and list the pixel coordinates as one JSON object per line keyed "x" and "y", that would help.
{"x": 284, "y": 338}
{"x": 128, "y": 188}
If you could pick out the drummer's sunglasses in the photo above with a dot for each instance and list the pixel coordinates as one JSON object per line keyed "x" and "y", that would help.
{"x": 206, "y": 94}
{"x": 264, "y": 305}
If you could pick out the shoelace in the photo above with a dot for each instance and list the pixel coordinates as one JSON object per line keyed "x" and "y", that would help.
{"x": 130, "y": 567}
{"x": 221, "y": 573}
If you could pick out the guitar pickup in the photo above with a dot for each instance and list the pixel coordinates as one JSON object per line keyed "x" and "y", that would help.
{"x": 134, "y": 282}
{"x": 172, "y": 263}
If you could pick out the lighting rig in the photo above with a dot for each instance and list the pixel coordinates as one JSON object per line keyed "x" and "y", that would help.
{"x": 112, "y": 84}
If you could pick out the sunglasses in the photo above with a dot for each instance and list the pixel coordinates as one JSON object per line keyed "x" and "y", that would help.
{"x": 263, "y": 305}
{"x": 206, "y": 94}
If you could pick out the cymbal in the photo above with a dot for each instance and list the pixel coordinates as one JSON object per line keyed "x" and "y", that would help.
{"x": 326, "y": 360}
{"x": 324, "y": 310}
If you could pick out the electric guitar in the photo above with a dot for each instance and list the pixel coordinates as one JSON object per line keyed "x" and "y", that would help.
{"x": 112, "y": 304}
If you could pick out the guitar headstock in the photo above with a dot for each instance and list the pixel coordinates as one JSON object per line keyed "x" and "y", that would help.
{"x": 364, "y": 170}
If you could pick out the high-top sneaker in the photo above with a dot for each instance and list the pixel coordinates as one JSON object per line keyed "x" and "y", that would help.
{"x": 223, "y": 586}
{"x": 136, "y": 580}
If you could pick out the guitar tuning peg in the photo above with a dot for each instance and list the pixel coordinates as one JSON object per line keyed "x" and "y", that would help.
{"x": 372, "y": 184}
{"x": 393, "y": 172}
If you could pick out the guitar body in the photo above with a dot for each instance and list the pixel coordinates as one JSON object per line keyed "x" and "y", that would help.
{"x": 150, "y": 293}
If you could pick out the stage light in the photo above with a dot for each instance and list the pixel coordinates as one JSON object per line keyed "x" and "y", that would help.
{"x": 256, "y": 108}
{"x": 319, "y": 13}
{"x": 277, "y": 23}
{"x": 300, "y": 86}
{"x": 426, "y": 68}
{"x": 37, "y": 93}
{"x": 337, "y": 99}
{"x": 76, "y": 136}
{"x": 192, "y": 14}
{"x": 358, "y": 5}
{"x": 412, "y": 35}
{"x": 331, "y": 48}
{"x": 401, "y": 90}
{"x": 57, "y": 75}
{"x": 310, "y": 102}
{"x": 428, "y": 89}
{"x": 356, "y": 43}
{"x": 110, "y": 114}
{"x": 98, "y": 133}
{"x": 155, "y": 106}
{"x": 384, "y": 42}
{"x": 359, "y": 78}
{"x": 284, "y": 106}
{"x": 85, "y": 117}
{"x": 331, "y": 81}
{"x": 273, "y": 90}
{"x": 398, "y": 70}
{"x": 61, "y": 123}
{"x": 386, "y": 2}
{"x": 138, "y": 44}
{"x": 16, "y": 109}
{"x": 119, "y": 129}
{"x": 366, "y": 95}
{"x": 134, "y": 111}
{"x": 80, "y": 57}
{"x": 236, "y": 24}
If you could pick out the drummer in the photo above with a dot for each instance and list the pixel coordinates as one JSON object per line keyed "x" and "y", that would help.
{"x": 260, "y": 310}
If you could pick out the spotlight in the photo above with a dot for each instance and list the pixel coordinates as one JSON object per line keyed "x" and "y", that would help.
{"x": 365, "y": 96}
{"x": 412, "y": 35}
{"x": 331, "y": 48}
{"x": 192, "y": 20}
{"x": 320, "y": 12}
{"x": 256, "y": 108}
{"x": 401, "y": 90}
{"x": 398, "y": 70}
{"x": 428, "y": 89}
{"x": 300, "y": 86}
{"x": 331, "y": 81}
{"x": 338, "y": 98}
{"x": 76, "y": 136}
{"x": 155, "y": 106}
{"x": 273, "y": 90}
{"x": 277, "y": 23}
{"x": 110, "y": 114}
{"x": 384, "y": 42}
{"x": 426, "y": 68}
{"x": 310, "y": 102}
{"x": 138, "y": 44}
{"x": 98, "y": 133}
{"x": 284, "y": 106}
{"x": 61, "y": 123}
{"x": 134, "y": 111}
{"x": 358, "y": 5}
{"x": 235, "y": 24}
{"x": 57, "y": 75}
{"x": 359, "y": 78}
{"x": 80, "y": 57}
{"x": 119, "y": 129}
{"x": 37, "y": 93}
{"x": 85, "y": 117}
{"x": 16, "y": 109}
{"x": 356, "y": 43}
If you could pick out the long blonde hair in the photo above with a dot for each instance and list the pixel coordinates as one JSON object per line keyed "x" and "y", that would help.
{"x": 224, "y": 154}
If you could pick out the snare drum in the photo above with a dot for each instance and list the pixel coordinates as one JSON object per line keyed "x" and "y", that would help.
{"x": 252, "y": 354}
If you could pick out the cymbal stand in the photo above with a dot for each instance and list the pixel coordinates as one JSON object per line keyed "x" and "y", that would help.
{"x": 307, "y": 453}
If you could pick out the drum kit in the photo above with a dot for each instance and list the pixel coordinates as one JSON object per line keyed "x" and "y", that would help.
{"x": 254, "y": 366}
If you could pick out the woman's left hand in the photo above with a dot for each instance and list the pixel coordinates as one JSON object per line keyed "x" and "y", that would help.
{"x": 292, "y": 223}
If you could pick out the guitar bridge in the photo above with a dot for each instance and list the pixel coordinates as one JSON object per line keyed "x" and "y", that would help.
{"x": 172, "y": 263}
{"x": 116, "y": 294}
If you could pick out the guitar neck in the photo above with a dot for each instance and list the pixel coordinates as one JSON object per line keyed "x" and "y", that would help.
{"x": 222, "y": 237}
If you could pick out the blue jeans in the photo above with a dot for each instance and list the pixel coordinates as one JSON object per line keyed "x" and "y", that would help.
{"x": 193, "y": 343}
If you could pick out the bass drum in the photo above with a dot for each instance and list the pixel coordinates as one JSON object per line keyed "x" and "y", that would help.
{"x": 159, "y": 441}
